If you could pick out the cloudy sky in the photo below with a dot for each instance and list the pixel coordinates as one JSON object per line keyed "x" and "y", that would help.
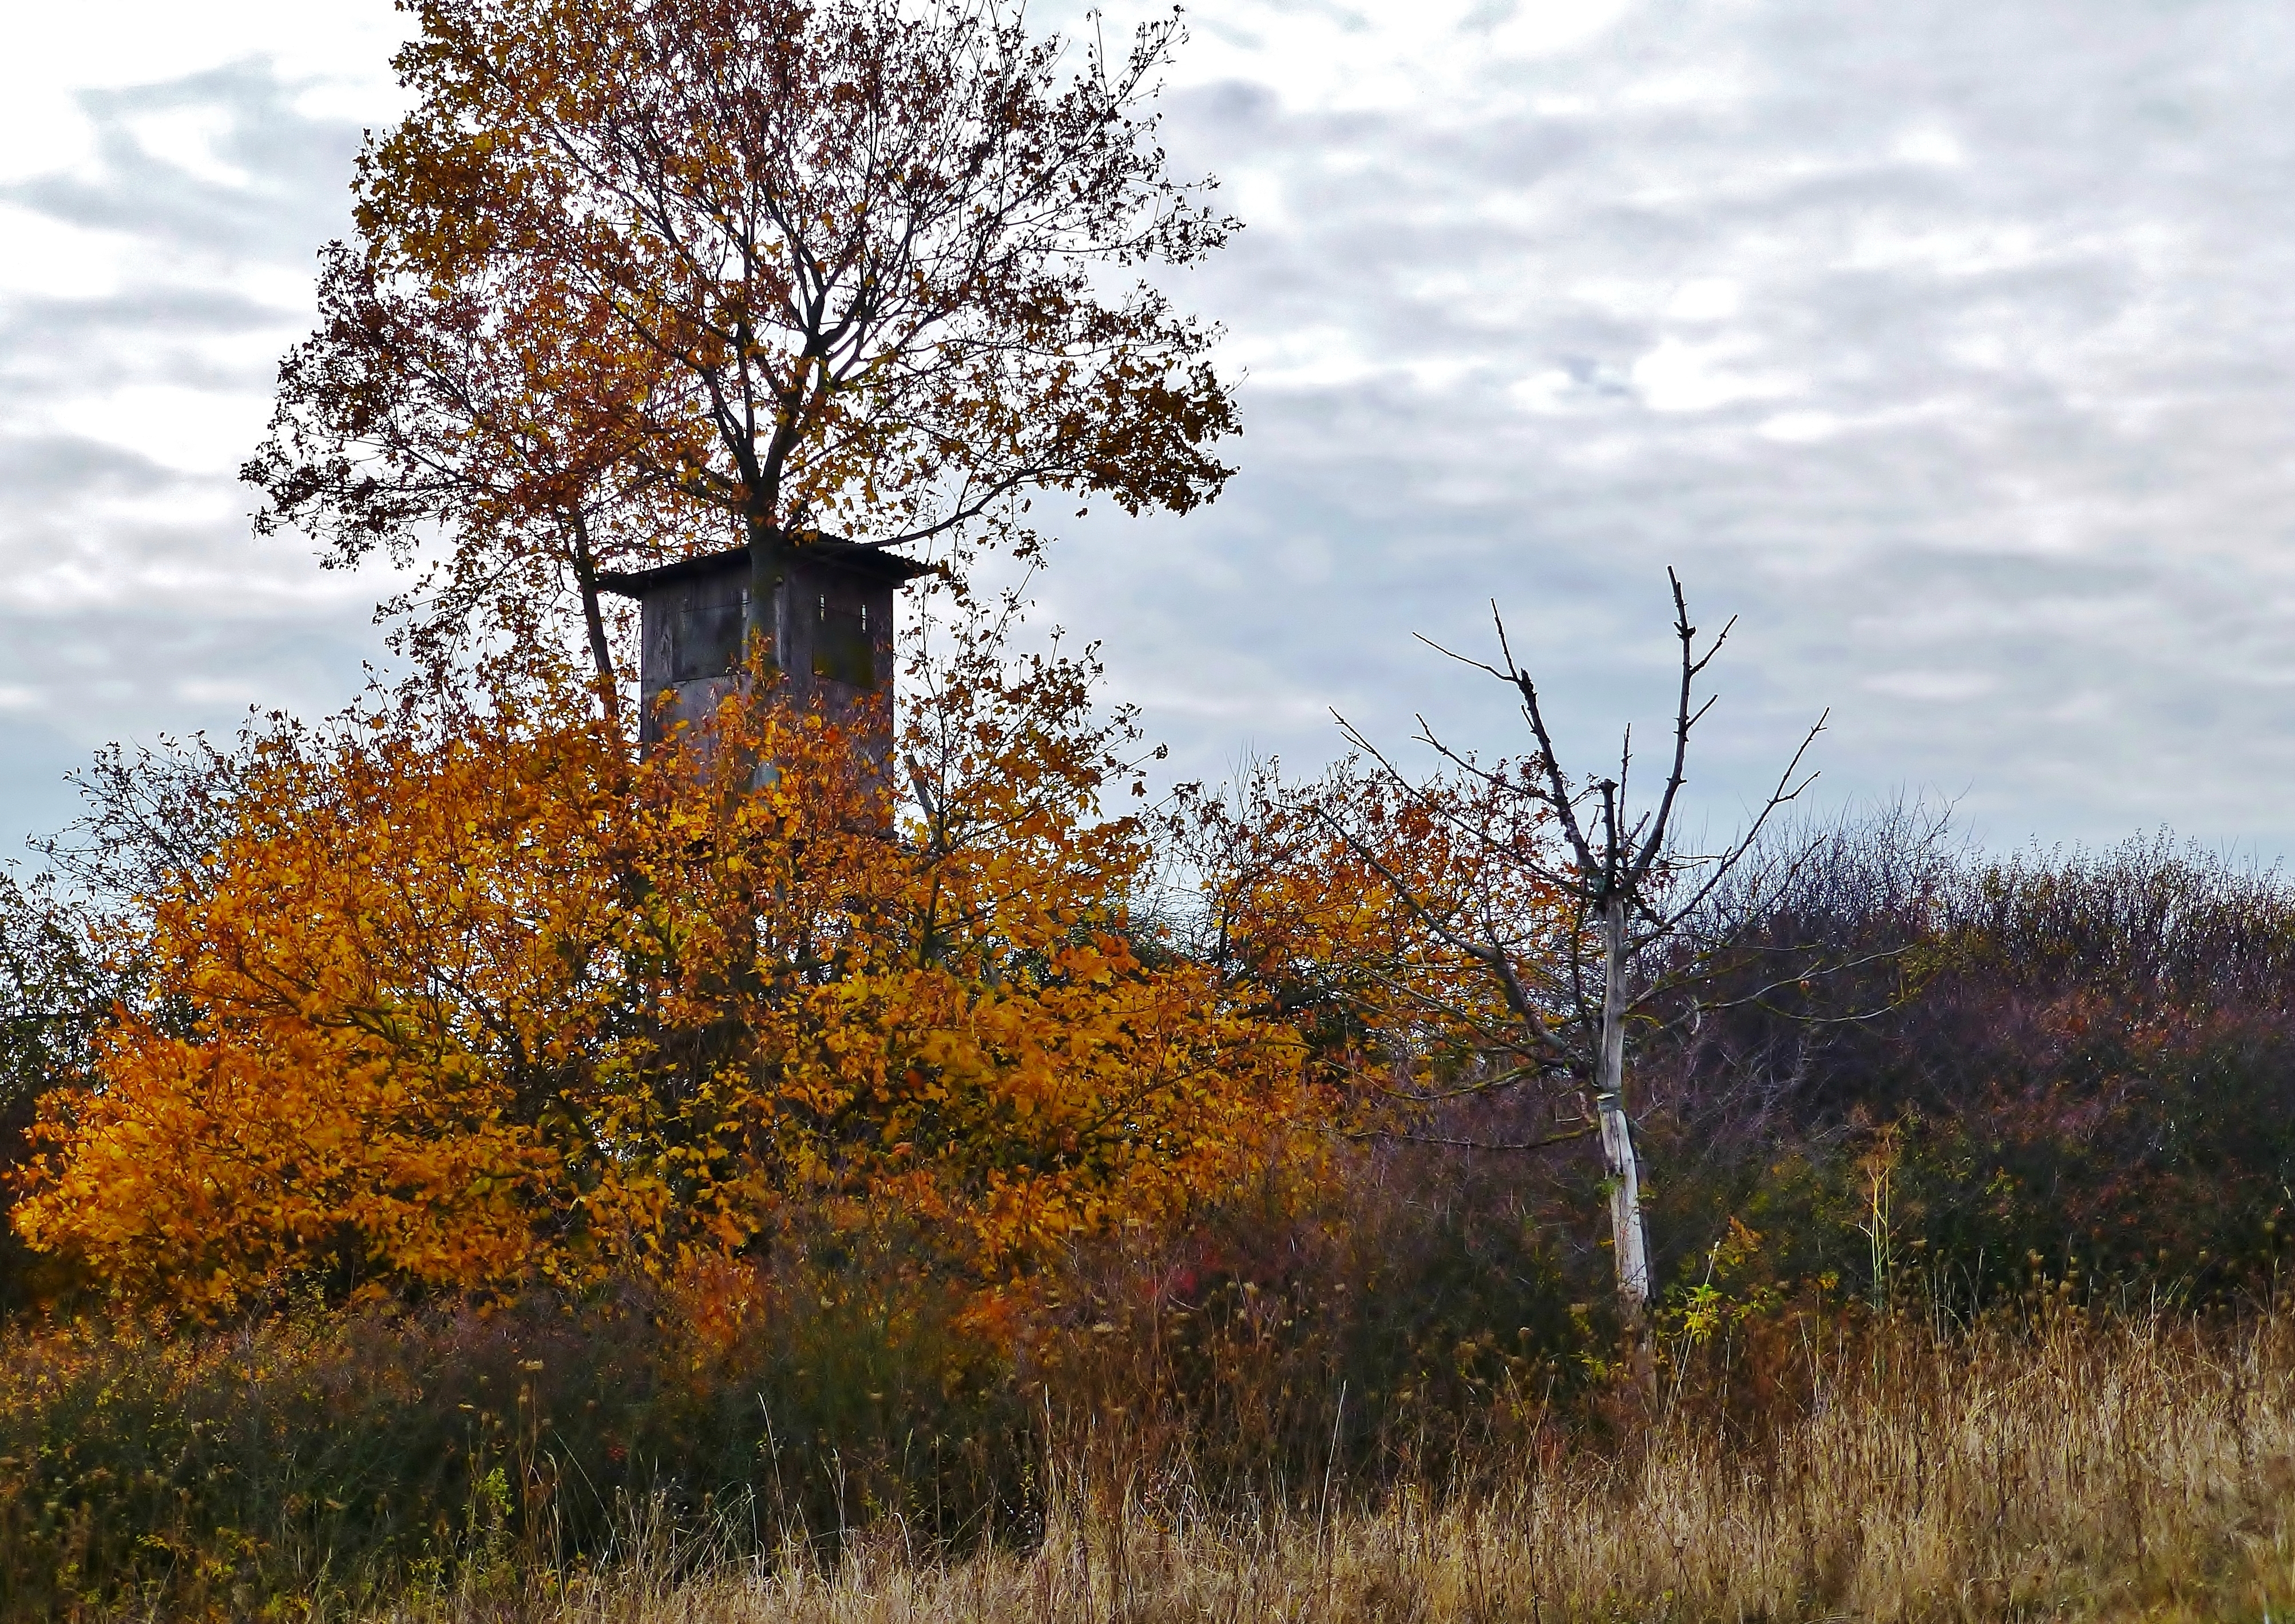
{"x": 1949, "y": 345}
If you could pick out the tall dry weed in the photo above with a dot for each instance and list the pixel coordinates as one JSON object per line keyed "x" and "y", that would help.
{"x": 2055, "y": 1468}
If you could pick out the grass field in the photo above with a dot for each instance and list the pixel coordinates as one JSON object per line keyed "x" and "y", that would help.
{"x": 2062, "y": 1469}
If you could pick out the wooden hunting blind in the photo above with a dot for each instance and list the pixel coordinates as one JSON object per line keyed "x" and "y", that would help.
{"x": 832, "y": 632}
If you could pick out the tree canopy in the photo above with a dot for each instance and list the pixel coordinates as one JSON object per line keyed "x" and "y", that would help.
{"x": 632, "y": 277}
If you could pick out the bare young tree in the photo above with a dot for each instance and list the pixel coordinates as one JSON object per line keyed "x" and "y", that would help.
{"x": 1620, "y": 926}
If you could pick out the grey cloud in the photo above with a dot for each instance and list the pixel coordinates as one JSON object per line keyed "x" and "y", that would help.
{"x": 38, "y": 470}
{"x": 133, "y": 599}
{"x": 162, "y": 335}
{"x": 297, "y": 168}
{"x": 2005, "y": 472}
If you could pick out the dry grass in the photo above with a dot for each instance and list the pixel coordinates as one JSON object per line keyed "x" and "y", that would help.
{"x": 2134, "y": 1470}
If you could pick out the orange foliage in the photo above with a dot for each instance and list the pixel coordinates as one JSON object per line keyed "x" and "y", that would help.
{"x": 466, "y": 997}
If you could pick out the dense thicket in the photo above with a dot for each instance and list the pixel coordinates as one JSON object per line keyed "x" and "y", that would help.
{"x": 2073, "y": 1061}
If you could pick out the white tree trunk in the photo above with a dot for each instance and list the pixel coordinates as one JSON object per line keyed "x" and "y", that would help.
{"x": 1628, "y": 1241}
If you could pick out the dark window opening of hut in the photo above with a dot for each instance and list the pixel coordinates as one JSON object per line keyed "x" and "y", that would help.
{"x": 843, "y": 652}
{"x": 706, "y": 640}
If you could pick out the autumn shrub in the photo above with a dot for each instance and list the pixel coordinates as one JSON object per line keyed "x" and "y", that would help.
{"x": 464, "y": 997}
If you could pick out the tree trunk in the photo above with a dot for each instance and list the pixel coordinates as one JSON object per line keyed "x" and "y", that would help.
{"x": 761, "y": 621}
{"x": 768, "y": 569}
{"x": 585, "y": 574}
{"x": 1628, "y": 1242}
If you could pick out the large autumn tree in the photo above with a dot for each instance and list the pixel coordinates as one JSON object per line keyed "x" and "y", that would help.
{"x": 747, "y": 268}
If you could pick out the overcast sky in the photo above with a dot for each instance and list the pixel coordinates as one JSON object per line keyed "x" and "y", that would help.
{"x": 1949, "y": 345}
